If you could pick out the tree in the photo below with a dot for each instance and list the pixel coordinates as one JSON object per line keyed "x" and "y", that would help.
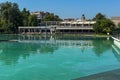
{"x": 52, "y": 17}
{"x": 102, "y": 25}
{"x": 25, "y": 15}
{"x": 49, "y": 17}
{"x": 97, "y": 28}
{"x": 15, "y": 17}
{"x": 99, "y": 16}
{"x": 32, "y": 20}
{"x": 108, "y": 26}
{"x": 10, "y": 15}
{"x": 57, "y": 18}
{"x": 119, "y": 25}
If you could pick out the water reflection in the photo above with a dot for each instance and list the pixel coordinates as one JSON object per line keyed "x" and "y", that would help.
{"x": 11, "y": 52}
{"x": 116, "y": 49}
{"x": 101, "y": 45}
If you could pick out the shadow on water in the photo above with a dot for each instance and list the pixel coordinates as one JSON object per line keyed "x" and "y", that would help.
{"x": 11, "y": 52}
{"x": 109, "y": 75}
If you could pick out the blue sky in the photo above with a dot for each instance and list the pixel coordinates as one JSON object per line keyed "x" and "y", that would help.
{"x": 72, "y": 8}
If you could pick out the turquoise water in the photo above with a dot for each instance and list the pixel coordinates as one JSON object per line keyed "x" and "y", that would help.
{"x": 56, "y": 57}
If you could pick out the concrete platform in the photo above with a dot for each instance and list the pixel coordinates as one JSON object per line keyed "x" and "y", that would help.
{"x": 8, "y": 40}
{"x": 109, "y": 75}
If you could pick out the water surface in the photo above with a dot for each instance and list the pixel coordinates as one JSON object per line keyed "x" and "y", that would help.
{"x": 35, "y": 57}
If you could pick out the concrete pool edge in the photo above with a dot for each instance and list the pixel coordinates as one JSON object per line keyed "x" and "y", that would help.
{"x": 109, "y": 75}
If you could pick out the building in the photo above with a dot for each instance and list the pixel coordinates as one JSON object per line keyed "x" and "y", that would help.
{"x": 69, "y": 19}
{"x": 67, "y": 26}
{"x": 116, "y": 20}
{"x": 77, "y": 23}
{"x": 40, "y": 14}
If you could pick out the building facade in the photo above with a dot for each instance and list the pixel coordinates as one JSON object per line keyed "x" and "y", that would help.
{"x": 116, "y": 20}
{"x": 40, "y": 14}
{"x": 67, "y": 26}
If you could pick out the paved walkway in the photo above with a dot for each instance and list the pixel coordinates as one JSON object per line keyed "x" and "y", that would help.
{"x": 110, "y": 75}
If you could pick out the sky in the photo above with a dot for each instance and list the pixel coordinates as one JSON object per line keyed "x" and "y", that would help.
{"x": 72, "y": 8}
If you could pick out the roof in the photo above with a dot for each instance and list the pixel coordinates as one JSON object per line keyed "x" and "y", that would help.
{"x": 78, "y": 22}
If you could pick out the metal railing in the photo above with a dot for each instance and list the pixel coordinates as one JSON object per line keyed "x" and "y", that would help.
{"x": 116, "y": 34}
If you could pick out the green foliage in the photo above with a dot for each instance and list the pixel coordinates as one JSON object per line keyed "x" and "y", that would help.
{"x": 10, "y": 15}
{"x": 108, "y": 26}
{"x": 119, "y": 25}
{"x": 25, "y": 15}
{"x": 103, "y": 25}
{"x": 51, "y": 17}
{"x": 99, "y": 16}
{"x": 32, "y": 20}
